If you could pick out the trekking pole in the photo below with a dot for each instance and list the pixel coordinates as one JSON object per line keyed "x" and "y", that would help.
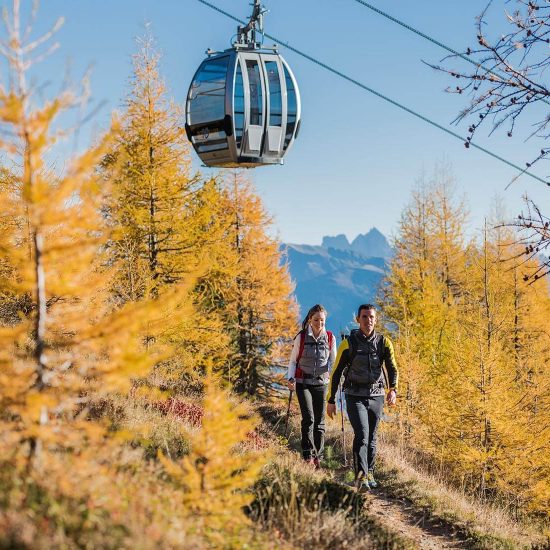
{"x": 288, "y": 412}
{"x": 342, "y": 337}
{"x": 343, "y": 429}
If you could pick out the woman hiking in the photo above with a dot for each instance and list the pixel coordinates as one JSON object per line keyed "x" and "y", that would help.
{"x": 311, "y": 360}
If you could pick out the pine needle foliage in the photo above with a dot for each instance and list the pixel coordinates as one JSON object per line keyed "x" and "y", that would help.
{"x": 218, "y": 473}
{"x": 163, "y": 217}
{"x": 474, "y": 351}
{"x": 67, "y": 345}
{"x": 150, "y": 169}
{"x": 259, "y": 310}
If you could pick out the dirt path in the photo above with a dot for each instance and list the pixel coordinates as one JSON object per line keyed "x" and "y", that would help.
{"x": 395, "y": 515}
{"x": 398, "y": 516}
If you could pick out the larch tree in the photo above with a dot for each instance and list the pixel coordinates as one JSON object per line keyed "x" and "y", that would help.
{"x": 420, "y": 297}
{"x": 503, "y": 338}
{"x": 65, "y": 346}
{"x": 150, "y": 169}
{"x": 218, "y": 473}
{"x": 259, "y": 312}
{"x": 164, "y": 217}
{"x": 473, "y": 350}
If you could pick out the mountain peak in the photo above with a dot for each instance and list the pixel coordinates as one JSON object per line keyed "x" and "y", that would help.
{"x": 340, "y": 242}
{"x": 371, "y": 244}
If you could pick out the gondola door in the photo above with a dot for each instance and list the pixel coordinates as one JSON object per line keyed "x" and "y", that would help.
{"x": 255, "y": 105}
{"x": 276, "y": 115}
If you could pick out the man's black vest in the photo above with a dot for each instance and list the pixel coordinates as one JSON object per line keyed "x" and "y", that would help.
{"x": 365, "y": 373}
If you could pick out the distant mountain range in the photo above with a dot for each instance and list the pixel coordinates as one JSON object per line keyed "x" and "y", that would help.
{"x": 339, "y": 274}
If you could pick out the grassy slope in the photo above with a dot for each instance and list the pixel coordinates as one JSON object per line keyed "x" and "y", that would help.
{"x": 480, "y": 525}
{"x": 294, "y": 506}
{"x": 426, "y": 503}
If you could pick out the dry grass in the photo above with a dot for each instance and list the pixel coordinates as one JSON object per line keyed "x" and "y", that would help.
{"x": 116, "y": 496}
{"x": 124, "y": 499}
{"x": 307, "y": 509}
{"x": 115, "y": 499}
{"x": 481, "y": 525}
{"x": 486, "y": 523}
{"x": 151, "y": 427}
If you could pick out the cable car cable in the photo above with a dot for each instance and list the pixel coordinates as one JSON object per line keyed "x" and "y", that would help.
{"x": 412, "y": 29}
{"x": 430, "y": 39}
{"x": 381, "y": 96}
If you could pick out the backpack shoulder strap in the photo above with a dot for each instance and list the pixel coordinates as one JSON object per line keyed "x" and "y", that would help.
{"x": 330, "y": 339}
{"x": 302, "y": 334}
{"x": 352, "y": 347}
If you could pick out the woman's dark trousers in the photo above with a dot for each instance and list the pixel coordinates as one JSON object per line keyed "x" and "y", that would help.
{"x": 364, "y": 415}
{"x": 312, "y": 407}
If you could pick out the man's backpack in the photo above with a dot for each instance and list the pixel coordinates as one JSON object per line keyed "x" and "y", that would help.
{"x": 352, "y": 346}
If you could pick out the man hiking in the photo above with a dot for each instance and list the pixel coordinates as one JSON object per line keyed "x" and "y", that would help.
{"x": 367, "y": 360}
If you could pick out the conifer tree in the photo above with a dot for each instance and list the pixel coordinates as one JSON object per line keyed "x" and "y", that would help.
{"x": 150, "y": 170}
{"x": 163, "y": 217}
{"x": 219, "y": 471}
{"x": 66, "y": 344}
{"x": 467, "y": 331}
{"x": 421, "y": 294}
{"x": 259, "y": 311}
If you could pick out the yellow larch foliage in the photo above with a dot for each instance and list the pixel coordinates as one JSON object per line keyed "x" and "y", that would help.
{"x": 420, "y": 300}
{"x": 259, "y": 312}
{"x": 473, "y": 351}
{"x": 220, "y": 469}
{"x": 163, "y": 217}
{"x": 62, "y": 342}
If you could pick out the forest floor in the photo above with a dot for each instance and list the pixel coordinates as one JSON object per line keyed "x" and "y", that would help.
{"x": 409, "y": 509}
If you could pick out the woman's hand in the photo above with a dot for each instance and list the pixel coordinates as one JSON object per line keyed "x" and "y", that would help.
{"x": 331, "y": 409}
{"x": 291, "y": 383}
{"x": 391, "y": 399}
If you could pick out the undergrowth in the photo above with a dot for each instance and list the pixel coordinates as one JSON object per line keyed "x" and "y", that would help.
{"x": 308, "y": 509}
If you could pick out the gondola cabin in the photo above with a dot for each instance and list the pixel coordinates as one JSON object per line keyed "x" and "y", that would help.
{"x": 243, "y": 106}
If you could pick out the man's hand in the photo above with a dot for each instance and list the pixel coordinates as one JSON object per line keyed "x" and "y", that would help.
{"x": 291, "y": 384}
{"x": 391, "y": 398}
{"x": 331, "y": 409}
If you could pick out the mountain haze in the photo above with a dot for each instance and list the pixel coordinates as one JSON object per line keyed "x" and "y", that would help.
{"x": 339, "y": 274}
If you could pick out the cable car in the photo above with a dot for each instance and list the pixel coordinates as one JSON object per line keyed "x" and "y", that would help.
{"x": 243, "y": 106}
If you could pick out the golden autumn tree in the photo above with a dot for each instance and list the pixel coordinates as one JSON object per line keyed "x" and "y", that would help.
{"x": 163, "y": 217}
{"x": 420, "y": 298}
{"x": 513, "y": 362}
{"x": 478, "y": 393}
{"x": 259, "y": 312}
{"x": 65, "y": 345}
{"x": 473, "y": 356}
{"x": 494, "y": 394}
{"x": 221, "y": 468}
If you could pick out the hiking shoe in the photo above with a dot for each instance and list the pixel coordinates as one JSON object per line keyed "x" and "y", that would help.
{"x": 362, "y": 485}
{"x": 371, "y": 481}
{"x": 317, "y": 463}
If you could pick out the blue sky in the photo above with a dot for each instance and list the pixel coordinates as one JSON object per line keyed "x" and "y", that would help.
{"x": 357, "y": 157}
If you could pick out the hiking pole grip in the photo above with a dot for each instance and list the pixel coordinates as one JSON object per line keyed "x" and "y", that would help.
{"x": 288, "y": 411}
